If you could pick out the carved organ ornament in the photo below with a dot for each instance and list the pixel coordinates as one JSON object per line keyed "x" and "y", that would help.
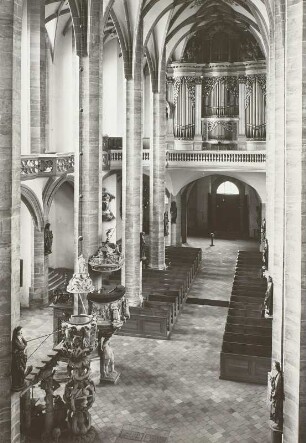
{"x": 220, "y": 96}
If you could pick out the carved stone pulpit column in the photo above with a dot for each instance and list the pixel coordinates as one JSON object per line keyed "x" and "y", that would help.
{"x": 79, "y": 341}
{"x": 111, "y": 310}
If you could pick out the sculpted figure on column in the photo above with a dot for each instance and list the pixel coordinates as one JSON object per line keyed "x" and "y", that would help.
{"x": 166, "y": 224}
{"x": 173, "y": 212}
{"x": 268, "y": 301}
{"x": 276, "y": 396}
{"x": 48, "y": 237}
{"x": 263, "y": 231}
{"x": 19, "y": 368}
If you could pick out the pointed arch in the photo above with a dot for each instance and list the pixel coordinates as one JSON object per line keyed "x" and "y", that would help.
{"x": 51, "y": 188}
{"x": 29, "y": 198}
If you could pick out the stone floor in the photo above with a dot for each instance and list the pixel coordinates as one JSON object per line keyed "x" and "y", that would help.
{"x": 169, "y": 391}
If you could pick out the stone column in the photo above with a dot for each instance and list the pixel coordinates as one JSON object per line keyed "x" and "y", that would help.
{"x": 132, "y": 178}
{"x": 37, "y": 57}
{"x": 157, "y": 188}
{"x": 173, "y": 225}
{"x": 38, "y": 290}
{"x": 276, "y": 154}
{"x": 170, "y": 121}
{"x": 295, "y": 223}
{"x": 241, "y": 124}
{"x": 184, "y": 217}
{"x": 90, "y": 142}
{"x": 10, "y": 41}
{"x": 158, "y": 174}
{"x": 198, "y": 116}
{"x": 178, "y": 226}
{"x": 168, "y": 237}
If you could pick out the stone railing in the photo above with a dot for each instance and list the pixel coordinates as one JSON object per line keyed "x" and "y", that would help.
{"x": 253, "y": 160}
{"x": 46, "y": 165}
{"x": 113, "y": 159}
{"x": 187, "y": 159}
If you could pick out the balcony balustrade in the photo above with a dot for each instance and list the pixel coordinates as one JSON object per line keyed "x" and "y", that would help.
{"x": 46, "y": 165}
{"x": 225, "y": 159}
{"x": 192, "y": 159}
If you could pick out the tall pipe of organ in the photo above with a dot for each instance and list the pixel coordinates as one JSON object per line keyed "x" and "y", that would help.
{"x": 184, "y": 121}
{"x": 255, "y": 110}
{"x": 220, "y": 99}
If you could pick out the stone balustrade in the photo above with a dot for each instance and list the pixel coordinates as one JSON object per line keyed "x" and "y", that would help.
{"x": 212, "y": 160}
{"x": 46, "y": 165}
{"x": 186, "y": 159}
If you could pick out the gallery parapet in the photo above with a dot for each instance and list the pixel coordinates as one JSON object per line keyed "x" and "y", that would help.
{"x": 46, "y": 165}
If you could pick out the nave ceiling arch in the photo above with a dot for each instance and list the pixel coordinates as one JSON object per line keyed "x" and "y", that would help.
{"x": 167, "y": 24}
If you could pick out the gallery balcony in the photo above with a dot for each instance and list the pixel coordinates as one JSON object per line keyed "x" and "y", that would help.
{"x": 46, "y": 165}
{"x": 211, "y": 160}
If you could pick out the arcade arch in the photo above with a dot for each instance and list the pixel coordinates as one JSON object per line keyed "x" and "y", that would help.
{"x": 224, "y": 205}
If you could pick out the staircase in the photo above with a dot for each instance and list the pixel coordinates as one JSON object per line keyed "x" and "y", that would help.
{"x": 56, "y": 277}
{"x": 247, "y": 340}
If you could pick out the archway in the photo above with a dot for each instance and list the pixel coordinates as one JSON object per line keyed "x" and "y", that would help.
{"x": 60, "y": 215}
{"x": 224, "y": 205}
{"x": 32, "y": 264}
{"x": 227, "y": 209}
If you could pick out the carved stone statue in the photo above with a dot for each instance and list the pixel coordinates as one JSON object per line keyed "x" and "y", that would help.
{"x": 48, "y": 238}
{"x": 107, "y": 197}
{"x": 265, "y": 254}
{"x": 142, "y": 247}
{"x": 173, "y": 212}
{"x": 263, "y": 231}
{"x": 19, "y": 369}
{"x": 166, "y": 224}
{"x": 277, "y": 397}
{"x": 268, "y": 301}
{"x": 107, "y": 361}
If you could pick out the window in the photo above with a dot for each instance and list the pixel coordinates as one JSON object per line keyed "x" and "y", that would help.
{"x": 228, "y": 188}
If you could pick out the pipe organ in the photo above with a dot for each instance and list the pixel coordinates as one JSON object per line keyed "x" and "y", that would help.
{"x": 228, "y": 107}
{"x": 184, "y": 102}
{"x": 220, "y": 97}
{"x": 255, "y": 107}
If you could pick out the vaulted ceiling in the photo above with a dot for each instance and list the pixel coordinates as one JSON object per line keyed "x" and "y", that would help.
{"x": 167, "y": 24}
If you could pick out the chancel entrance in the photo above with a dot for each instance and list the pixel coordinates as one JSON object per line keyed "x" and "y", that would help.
{"x": 224, "y": 205}
{"x": 228, "y": 210}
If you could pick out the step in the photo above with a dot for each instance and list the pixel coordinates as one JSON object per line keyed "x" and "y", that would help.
{"x": 245, "y": 329}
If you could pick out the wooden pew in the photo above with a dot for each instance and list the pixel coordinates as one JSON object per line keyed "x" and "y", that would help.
{"x": 147, "y": 322}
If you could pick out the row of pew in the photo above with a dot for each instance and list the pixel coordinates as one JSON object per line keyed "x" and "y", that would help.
{"x": 247, "y": 341}
{"x": 164, "y": 294}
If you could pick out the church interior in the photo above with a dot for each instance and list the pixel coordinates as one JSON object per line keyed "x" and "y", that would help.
{"x": 152, "y": 210}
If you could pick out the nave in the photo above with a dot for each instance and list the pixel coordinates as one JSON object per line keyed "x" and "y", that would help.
{"x": 169, "y": 390}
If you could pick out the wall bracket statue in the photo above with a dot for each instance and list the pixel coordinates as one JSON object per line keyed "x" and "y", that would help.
{"x": 107, "y": 197}
{"x": 19, "y": 369}
{"x": 276, "y": 396}
{"x": 173, "y": 212}
{"x": 48, "y": 239}
{"x": 166, "y": 224}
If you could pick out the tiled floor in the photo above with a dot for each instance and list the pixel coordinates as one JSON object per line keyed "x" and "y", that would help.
{"x": 171, "y": 389}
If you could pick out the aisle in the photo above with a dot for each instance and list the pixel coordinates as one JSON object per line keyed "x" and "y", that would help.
{"x": 169, "y": 391}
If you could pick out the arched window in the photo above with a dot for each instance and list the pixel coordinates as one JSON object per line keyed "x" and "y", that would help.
{"x": 228, "y": 188}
